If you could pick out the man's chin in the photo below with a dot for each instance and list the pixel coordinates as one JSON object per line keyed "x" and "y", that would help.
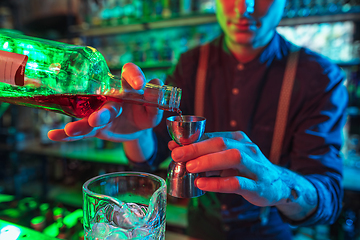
{"x": 242, "y": 38}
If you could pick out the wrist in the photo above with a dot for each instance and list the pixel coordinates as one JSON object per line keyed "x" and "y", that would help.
{"x": 300, "y": 197}
{"x": 141, "y": 148}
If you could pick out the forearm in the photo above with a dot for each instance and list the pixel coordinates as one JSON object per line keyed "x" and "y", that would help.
{"x": 142, "y": 148}
{"x": 301, "y": 199}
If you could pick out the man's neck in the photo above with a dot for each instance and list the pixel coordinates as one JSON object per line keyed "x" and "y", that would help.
{"x": 246, "y": 52}
{"x": 243, "y": 53}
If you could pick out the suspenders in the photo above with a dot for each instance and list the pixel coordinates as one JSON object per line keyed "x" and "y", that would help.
{"x": 282, "y": 110}
{"x": 283, "y": 104}
{"x": 201, "y": 80}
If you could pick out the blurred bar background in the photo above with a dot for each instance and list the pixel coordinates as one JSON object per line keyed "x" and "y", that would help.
{"x": 41, "y": 180}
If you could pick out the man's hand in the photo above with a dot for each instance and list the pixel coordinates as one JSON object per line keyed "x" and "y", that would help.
{"x": 114, "y": 121}
{"x": 236, "y": 165}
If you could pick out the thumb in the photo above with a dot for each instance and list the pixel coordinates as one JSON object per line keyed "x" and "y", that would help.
{"x": 105, "y": 115}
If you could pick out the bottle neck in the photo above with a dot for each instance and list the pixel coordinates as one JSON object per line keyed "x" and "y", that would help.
{"x": 116, "y": 85}
{"x": 164, "y": 97}
{"x": 115, "y": 77}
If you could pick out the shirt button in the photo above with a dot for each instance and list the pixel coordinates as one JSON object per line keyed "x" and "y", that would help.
{"x": 235, "y": 91}
{"x": 233, "y": 123}
{"x": 240, "y": 66}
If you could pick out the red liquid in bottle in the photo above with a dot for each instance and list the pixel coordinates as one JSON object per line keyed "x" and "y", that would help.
{"x": 73, "y": 105}
{"x": 78, "y": 106}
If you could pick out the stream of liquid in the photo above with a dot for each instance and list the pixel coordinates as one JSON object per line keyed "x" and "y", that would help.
{"x": 180, "y": 115}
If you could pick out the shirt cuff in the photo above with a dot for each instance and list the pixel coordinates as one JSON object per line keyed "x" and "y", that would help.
{"x": 150, "y": 165}
{"x": 323, "y": 210}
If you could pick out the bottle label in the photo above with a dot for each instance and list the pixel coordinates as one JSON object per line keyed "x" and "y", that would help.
{"x": 12, "y": 68}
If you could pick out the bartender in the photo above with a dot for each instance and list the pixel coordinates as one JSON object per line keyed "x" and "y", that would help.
{"x": 249, "y": 195}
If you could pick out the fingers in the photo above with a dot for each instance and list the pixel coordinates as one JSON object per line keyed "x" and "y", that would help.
{"x": 133, "y": 75}
{"x": 191, "y": 151}
{"x": 78, "y": 128}
{"x": 57, "y": 135}
{"x": 216, "y": 142}
{"x": 156, "y": 81}
{"x": 172, "y": 145}
{"x": 228, "y": 159}
{"x": 226, "y": 185}
{"x": 73, "y": 131}
{"x": 105, "y": 115}
{"x": 87, "y": 127}
{"x": 238, "y": 136}
{"x": 60, "y": 135}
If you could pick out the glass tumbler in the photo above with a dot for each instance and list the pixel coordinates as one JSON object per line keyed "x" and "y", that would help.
{"x": 124, "y": 205}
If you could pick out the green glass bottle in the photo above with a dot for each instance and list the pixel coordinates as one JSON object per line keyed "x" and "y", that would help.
{"x": 69, "y": 79}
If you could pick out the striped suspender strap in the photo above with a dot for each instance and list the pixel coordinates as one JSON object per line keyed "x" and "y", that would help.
{"x": 281, "y": 118}
{"x": 201, "y": 80}
{"x": 283, "y": 106}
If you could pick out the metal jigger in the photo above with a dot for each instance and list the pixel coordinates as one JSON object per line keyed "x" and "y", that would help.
{"x": 184, "y": 131}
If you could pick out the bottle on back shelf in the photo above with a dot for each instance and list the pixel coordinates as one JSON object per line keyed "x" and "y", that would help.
{"x": 68, "y": 79}
{"x": 185, "y": 7}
